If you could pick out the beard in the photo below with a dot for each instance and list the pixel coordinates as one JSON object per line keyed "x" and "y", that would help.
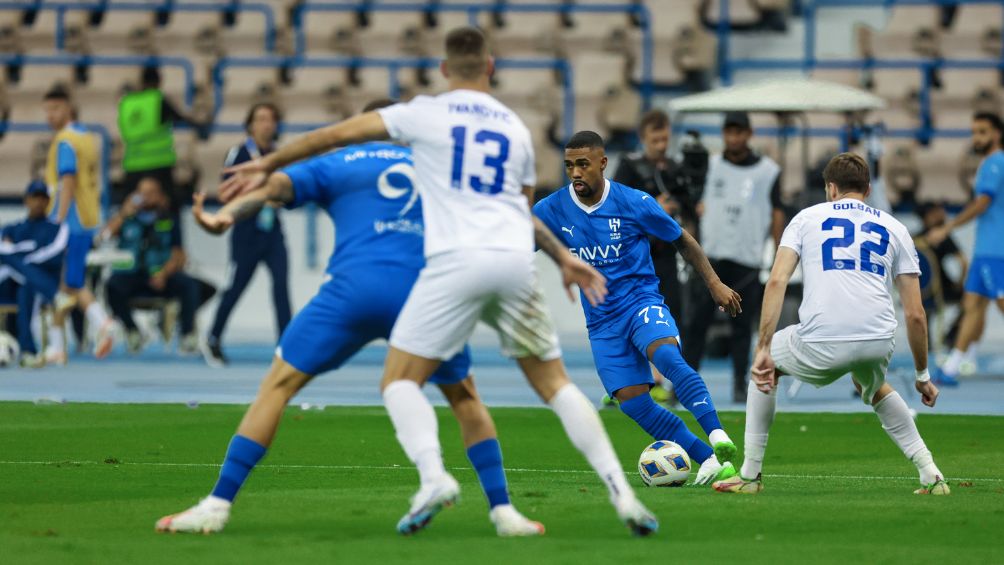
{"x": 583, "y": 189}
{"x": 982, "y": 148}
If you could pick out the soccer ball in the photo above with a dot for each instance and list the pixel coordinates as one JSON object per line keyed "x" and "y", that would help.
{"x": 9, "y": 350}
{"x": 664, "y": 464}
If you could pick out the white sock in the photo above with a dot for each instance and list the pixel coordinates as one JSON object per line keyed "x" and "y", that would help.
{"x": 717, "y": 436}
{"x": 970, "y": 355}
{"x": 96, "y": 316}
{"x": 416, "y": 426}
{"x": 584, "y": 428}
{"x": 895, "y": 416}
{"x": 55, "y": 339}
{"x": 760, "y": 410}
{"x": 951, "y": 365}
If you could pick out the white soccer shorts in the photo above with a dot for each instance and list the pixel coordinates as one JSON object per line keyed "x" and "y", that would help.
{"x": 458, "y": 288}
{"x": 821, "y": 363}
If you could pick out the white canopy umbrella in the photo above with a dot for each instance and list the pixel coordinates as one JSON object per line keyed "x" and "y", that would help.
{"x": 781, "y": 96}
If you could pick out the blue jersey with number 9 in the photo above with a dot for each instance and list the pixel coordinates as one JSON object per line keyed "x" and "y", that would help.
{"x": 850, "y": 255}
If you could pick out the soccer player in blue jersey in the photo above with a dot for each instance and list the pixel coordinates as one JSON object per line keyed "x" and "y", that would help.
{"x": 985, "y": 281}
{"x": 607, "y": 224}
{"x": 369, "y": 192}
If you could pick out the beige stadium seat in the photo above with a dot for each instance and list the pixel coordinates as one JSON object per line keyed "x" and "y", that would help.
{"x": 319, "y": 25}
{"x": 523, "y": 82}
{"x": 247, "y": 36}
{"x": 897, "y": 38}
{"x": 41, "y": 37}
{"x": 953, "y": 104}
{"x": 112, "y": 37}
{"x": 939, "y": 170}
{"x": 524, "y": 32}
{"x": 740, "y": 11}
{"x": 972, "y": 21}
{"x": 177, "y": 38}
{"x": 209, "y": 158}
{"x": 305, "y": 98}
{"x": 381, "y": 38}
{"x": 242, "y": 87}
{"x": 16, "y": 152}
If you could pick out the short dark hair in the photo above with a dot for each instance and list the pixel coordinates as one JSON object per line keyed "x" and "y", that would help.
{"x": 994, "y": 119}
{"x": 585, "y": 140}
{"x": 57, "y": 92}
{"x": 466, "y": 52}
{"x": 849, "y": 172}
{"x": 377, "y": 104}
{"x": 653, "y": 119}
{"x": 150, "y": 77}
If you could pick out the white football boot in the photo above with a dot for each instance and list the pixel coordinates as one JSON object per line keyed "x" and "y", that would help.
{"x": 711, "y": 471}
{"x": 207, "y": 517}
{"x": 635, "y": 516}
{"x": 510, "y": 523}
{"x": 427, "y": 502}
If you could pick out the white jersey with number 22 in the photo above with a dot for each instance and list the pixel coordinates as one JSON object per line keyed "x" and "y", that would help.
{"x": 473, "y": 156}
{"x": 850, "y": 254}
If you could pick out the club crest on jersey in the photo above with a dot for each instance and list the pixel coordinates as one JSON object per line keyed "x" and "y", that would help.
{"x": 615, "y": 226}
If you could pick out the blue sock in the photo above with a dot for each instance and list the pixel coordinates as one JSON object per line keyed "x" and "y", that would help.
{"x": 242, "y": 455}
{"x": 663, "y": 424}
{"x": 486, "y": 457}
{"x": 689, "y": 386}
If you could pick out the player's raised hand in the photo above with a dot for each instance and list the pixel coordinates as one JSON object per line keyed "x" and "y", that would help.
{"x": 764, "y": 372}
{"x": 727, "y": 299}
{"x": 928, "y": 393}
{"x": 589, "y": 280}
{"x": 243, "y": 178}
{"x": 212, "y": 223}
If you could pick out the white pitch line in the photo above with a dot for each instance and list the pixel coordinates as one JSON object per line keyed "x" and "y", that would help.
{"x": 508, "y": 470}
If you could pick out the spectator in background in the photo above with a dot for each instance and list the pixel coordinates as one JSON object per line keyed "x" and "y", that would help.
{"x": 33, "y": 249}
{"x": 985, "y": 281}
{"x": 145, "y": 121}
{"x": 253, "y": 241}
{"x": 653, "y": 171}
{"x": 741, "y": 206}
{"x": 146, "y": 226}
{"x": 73, "y": 175}
{"x": 945, "y": 290}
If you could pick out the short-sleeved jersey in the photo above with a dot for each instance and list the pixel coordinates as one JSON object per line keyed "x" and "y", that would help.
{"x": 613, "y": 237}
{"x": 473, "y": 156}
{"x": 990, "y": 225}
{"x": 369, "y": 192}
{"x": 850, "y": 254}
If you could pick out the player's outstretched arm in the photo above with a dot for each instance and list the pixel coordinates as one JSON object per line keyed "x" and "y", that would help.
{"x": 727, "y": 299}
{"x": 973, "y": 210}
{"x": 916, "y": 333}
{"x": 278, "y": 189}
{"x": 764, "y": 374}
{"x": 252, "y": 174}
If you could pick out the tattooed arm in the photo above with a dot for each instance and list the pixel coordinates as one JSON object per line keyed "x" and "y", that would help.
{"x": 726, "y": 298}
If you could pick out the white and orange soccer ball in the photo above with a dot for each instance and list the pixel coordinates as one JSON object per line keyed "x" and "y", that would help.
{"x": 664, "y": 464}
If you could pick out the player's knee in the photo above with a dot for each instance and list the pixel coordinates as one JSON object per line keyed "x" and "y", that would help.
{"x": 658, "y": 344}
{"x": 284, "y": 380}
{"x": 629, "y": 392}
{"x": 883, "y": 391}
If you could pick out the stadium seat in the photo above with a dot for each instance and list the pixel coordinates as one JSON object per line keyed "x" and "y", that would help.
{"x": 898, "y": 38}
{"x": 382, "y": 37}
{"x": 247, "y": 36}
{"x": 953, "y": 104}
{"x": 319, "y": 26}
{"x": 940, "y": 166}
{"x": 741, "y": 12}
{"x": 209, "y": 158}
{"x": 966, "y": 36}
{"x": 113, "y": 36}
{"x": 20, "y": 151}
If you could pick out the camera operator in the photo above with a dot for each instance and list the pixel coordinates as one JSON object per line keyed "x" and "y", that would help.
{"x": 654, "y": 172}
{"x": 740, "y": 206}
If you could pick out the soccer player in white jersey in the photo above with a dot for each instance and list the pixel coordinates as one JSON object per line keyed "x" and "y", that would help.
{"x": 474, "y": 164}
{"x": 851, "y": 255}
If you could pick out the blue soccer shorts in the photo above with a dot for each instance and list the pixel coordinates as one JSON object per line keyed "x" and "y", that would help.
{"x": 986, "y": 277}
{"x": 620, "y": 350}
{"x": 344, "y": 316}
{"x": 78, "y": 245}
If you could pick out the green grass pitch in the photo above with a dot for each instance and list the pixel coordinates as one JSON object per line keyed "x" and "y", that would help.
{"x": 84, "y": 483}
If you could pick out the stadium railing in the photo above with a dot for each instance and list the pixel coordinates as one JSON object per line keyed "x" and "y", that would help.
{"x": 165, "y": 6}
{"x": 809, "y": 61}
{"x": 67, "y": 59}
{"x": 639, "y": 13}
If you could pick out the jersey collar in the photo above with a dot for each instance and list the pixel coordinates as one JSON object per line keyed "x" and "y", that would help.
{"x": 594, "y": 207}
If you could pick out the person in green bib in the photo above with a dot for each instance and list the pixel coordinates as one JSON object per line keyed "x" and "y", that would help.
{"x": 146, "y": 119}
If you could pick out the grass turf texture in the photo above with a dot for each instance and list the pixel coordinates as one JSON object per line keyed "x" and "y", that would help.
{"x": 330, "y": 490}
